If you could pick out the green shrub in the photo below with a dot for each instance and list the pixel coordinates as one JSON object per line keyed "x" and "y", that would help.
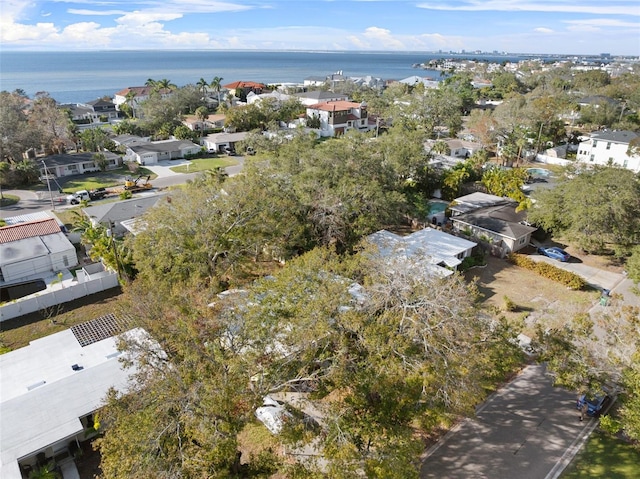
{"x": 509, "y": 305}
{"x": 126, "y": 195}
{"x": 549, "y": 271}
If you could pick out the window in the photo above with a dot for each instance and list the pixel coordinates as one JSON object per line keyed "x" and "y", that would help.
{"x": 595, "y": 143}
{"x": 65, "y": 260}
{"x": 608, "y": 145}
{"x": 592, "y": 157}
{"x": 625, "y": 164}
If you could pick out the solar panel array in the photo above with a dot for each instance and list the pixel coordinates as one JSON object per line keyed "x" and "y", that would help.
{"x": 98, "y": 329}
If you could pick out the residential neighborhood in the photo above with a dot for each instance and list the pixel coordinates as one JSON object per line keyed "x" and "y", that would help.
{"x": 345, "y": 277}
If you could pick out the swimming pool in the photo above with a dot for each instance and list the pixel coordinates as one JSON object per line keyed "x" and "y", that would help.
{"x": 540, "y": 172}
{"x": 436, "y": 207}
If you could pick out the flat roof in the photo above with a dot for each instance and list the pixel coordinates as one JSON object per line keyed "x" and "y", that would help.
{"x": 43, "y": 397}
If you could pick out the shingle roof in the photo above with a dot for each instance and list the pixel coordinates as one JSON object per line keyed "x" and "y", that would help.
{"x": 28, "y": 230}
{"x": 243, "y": 84}
{"x": 618, "y": 136}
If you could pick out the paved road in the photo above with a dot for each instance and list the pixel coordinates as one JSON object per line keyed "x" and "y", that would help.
{"x": 527, "y": 430}
{"x": 35, "y": 201}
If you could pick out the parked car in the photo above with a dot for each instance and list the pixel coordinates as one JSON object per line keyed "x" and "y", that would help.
{"x": 273, "y": 414}
{"x": 555, "y": 253}
{"x": 595, "y": 404}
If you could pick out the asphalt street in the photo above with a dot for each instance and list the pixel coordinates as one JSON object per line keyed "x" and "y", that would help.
{"x": 35, "y": 201}
{"x": 527, "y": 430}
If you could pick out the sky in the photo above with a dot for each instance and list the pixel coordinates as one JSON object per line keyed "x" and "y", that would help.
{"x": 581, "y": 27}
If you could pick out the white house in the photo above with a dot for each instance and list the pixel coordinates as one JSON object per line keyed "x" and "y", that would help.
{"x": 216, "y": 142}
{"x": 34, "y": 249}
{"x": 51, "y": 390}
{"x": 337, "y": 117}
{"x": 428, "y": 251}
{"x": 135, "y": 95}
{"x": 152, "y": 152}
{"x": 314, "y": 97}
{"x": 610, "y": 147}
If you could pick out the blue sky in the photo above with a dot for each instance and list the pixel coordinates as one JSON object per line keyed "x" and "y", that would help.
{"x": 515, "y": 26}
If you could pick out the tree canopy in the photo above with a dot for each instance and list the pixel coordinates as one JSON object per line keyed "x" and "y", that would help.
{"x": 598, "y": 208}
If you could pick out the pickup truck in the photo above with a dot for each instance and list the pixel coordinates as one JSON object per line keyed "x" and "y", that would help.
{"x": 87, "y": 195}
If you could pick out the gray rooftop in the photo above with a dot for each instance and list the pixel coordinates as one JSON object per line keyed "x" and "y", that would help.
{"x": 502, "y": 219}
{"x": 122, "y": 210}
{"x": 618, "y": 136}
{"x": 73, "y": 158}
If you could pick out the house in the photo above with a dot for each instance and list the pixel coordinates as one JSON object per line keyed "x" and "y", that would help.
{"x": 217, "y": 142}
{"x": 240, "y": 89}
{"x": 416, "y": 80}
{"x": 277, "y": 96}
{"x": 337, "y": 117}
{"x": 126, "y": 140}
{"x": 51, "y": 390}
{"x": 69, "y": 164}
{"x": 212, "y": 122}
{"x": 610, "y": 147}
{"x": 152, "y": 152}
{"x": 314, "y": 97}
{"x": 427, "y": 252}
{"x": 97, "y": 111}
{"x": 34, "y": 249}
{"x": 135, "y": 95}
{"x": 492, "y": 219}
{"x": 112, "y": 215}
{"x": 458, "y": 148}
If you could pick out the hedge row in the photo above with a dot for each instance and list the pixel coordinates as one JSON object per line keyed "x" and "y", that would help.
{"x": 569, "y": 279}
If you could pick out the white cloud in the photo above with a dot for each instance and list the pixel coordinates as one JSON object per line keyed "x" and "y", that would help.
{"x": 604, "y": 22}
{"x": 138, "y": 19}
{"x": 543, "y": 30}
{"x": 75, "y": 11}
{"x": 620, "y": 7}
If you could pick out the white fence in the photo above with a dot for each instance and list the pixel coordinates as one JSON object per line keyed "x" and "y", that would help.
{"x": 30, "y": 304}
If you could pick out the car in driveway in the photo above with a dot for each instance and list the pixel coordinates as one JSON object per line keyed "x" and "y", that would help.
{"x": 555, "y": 253}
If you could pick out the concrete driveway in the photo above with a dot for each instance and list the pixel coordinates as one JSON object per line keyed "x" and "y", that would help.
{"x": 527, "y": 430}
{"x": 598, "y": 278}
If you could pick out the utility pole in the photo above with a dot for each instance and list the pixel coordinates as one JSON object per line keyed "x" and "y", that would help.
{"x": 46, "y": 174}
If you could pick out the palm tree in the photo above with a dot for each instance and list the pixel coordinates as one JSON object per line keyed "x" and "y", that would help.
{"x": 202, "y": 85}
{"x": 216, "y": 84}
{"x": 164, "y": 84}
{"x": 150, "y": 82}
{"x": 128, "y": 100}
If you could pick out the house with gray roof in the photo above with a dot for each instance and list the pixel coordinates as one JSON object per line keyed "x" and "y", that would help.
{"x": 309, "y": 98}
{"x": 217, "y": 142}
{"x": 152, "y": 152}
{"x": 114, "y": 214}
{"x": 34, "y": 249}
{"x": 492, "y": 219}
{"x": 611, "y": 147}
{"x": 69, "y": 164}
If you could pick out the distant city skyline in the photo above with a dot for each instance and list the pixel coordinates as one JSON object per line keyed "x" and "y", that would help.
{"x": 555, "y": 27}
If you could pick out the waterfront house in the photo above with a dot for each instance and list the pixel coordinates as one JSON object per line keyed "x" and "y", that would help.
{"x": 610, "y": 147}
{"x": 98, "y": 111}
{"x": 337, "y": 117}
{"x": 135, "y": 95}
{"x": 212, "y": 122}
{"x": 240, "y": 89}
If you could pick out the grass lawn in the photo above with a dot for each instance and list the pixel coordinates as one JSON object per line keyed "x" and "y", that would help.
{"x": 8, "y": 200}
{"x": 604, "y": 456}
{"x": 106, "y": 179}
{"x": 18, "y": 332}
{"x": 204, "y": 164}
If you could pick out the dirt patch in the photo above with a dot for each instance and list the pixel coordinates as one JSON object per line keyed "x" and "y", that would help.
{"x": 534, "y": 299}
